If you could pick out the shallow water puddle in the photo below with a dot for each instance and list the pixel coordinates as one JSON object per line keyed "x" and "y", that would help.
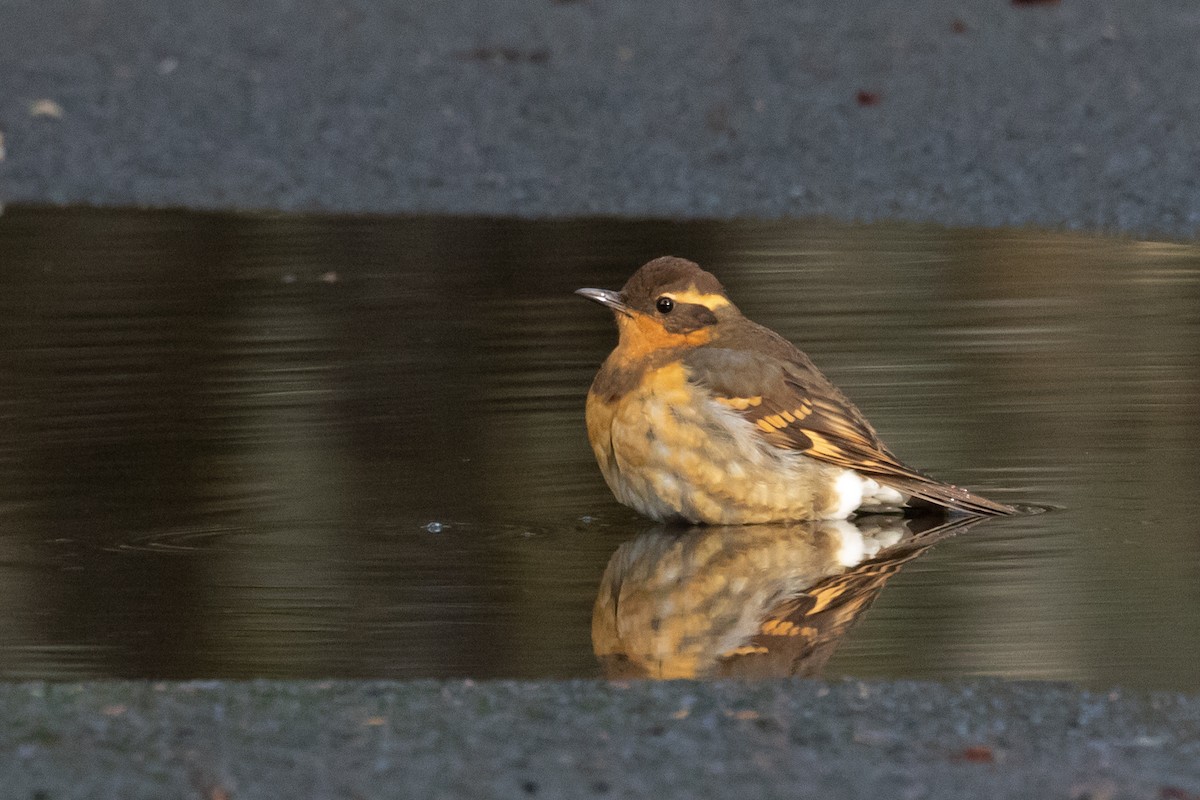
{"x": 237, "y": 446}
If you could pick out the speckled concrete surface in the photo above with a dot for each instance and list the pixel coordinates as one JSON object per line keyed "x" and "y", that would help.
{"x": 979, "y": 112}
{"x": 592, "y": 740}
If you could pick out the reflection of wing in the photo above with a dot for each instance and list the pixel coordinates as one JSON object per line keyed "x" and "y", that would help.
{"x": 746, "y": 600}
{"x": 795, "y": 407}
{"x": 800, "y": 634}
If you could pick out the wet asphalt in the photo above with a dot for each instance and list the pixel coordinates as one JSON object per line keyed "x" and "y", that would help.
{"x": 589, "y": 739}
{"x": 961, "y": 112}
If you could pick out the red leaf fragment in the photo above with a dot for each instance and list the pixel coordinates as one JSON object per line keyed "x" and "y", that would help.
{"x": 979, "y": 754}
{"x": 1175, "y": 793}
{"x": 865, "y": 98}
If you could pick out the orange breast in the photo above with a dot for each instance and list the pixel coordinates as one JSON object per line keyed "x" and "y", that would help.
{"x": 669, "y": 450}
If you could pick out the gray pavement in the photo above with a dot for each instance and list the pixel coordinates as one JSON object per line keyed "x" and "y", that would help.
{"x": 961, "y": 112}
{"x": 782, "y": 739}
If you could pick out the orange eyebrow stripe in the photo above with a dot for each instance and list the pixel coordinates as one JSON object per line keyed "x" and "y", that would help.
{"x": 711, "y": 301}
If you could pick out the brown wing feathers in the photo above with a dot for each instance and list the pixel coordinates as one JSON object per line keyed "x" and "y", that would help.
{"x": 796, "y": 407}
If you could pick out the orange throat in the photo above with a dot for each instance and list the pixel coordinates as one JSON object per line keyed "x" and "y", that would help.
{"x": 642, "y": 337}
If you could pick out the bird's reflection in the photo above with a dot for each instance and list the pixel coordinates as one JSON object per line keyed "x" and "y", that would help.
{"x": 747, "y": 601}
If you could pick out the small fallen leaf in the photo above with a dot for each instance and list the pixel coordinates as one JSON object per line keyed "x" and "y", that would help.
{"x": 745, "y": 714}
{"x": 865, "y": 98}
{"x": 45, "y": 108}
{"x": 979, "y": 754}
{"x": 1175, "y": 793}
{"x": 375, "y": 722}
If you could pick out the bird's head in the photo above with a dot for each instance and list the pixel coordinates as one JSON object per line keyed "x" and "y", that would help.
{"x": 669, "y": 303}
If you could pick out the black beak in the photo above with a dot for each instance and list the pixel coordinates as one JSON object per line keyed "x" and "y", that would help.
{"x": 605, "y": 297}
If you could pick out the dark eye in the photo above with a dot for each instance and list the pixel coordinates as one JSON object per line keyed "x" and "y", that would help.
{"x": 664, "y": 305}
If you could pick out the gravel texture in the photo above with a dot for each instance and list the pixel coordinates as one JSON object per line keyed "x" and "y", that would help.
{"x": 783, "y": 739}
{"x": 965, "y": 112}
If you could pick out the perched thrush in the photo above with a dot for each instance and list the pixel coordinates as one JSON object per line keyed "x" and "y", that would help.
{"x": 701, "y": 415}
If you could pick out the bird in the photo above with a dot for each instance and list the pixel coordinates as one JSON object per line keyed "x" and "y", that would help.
{"x": 701, "y": 416}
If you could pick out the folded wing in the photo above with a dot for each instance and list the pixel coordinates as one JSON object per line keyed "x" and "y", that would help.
{"x": 794, "y": 406}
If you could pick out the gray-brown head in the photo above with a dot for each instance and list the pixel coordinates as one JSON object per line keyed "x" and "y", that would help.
{"x": 669, "y": 302}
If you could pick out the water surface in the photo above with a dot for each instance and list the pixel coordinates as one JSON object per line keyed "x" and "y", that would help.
{"x": 239, "y": 446}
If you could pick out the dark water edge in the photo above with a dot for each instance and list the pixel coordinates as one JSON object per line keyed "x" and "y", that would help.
{"x": 226, "y": 442}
